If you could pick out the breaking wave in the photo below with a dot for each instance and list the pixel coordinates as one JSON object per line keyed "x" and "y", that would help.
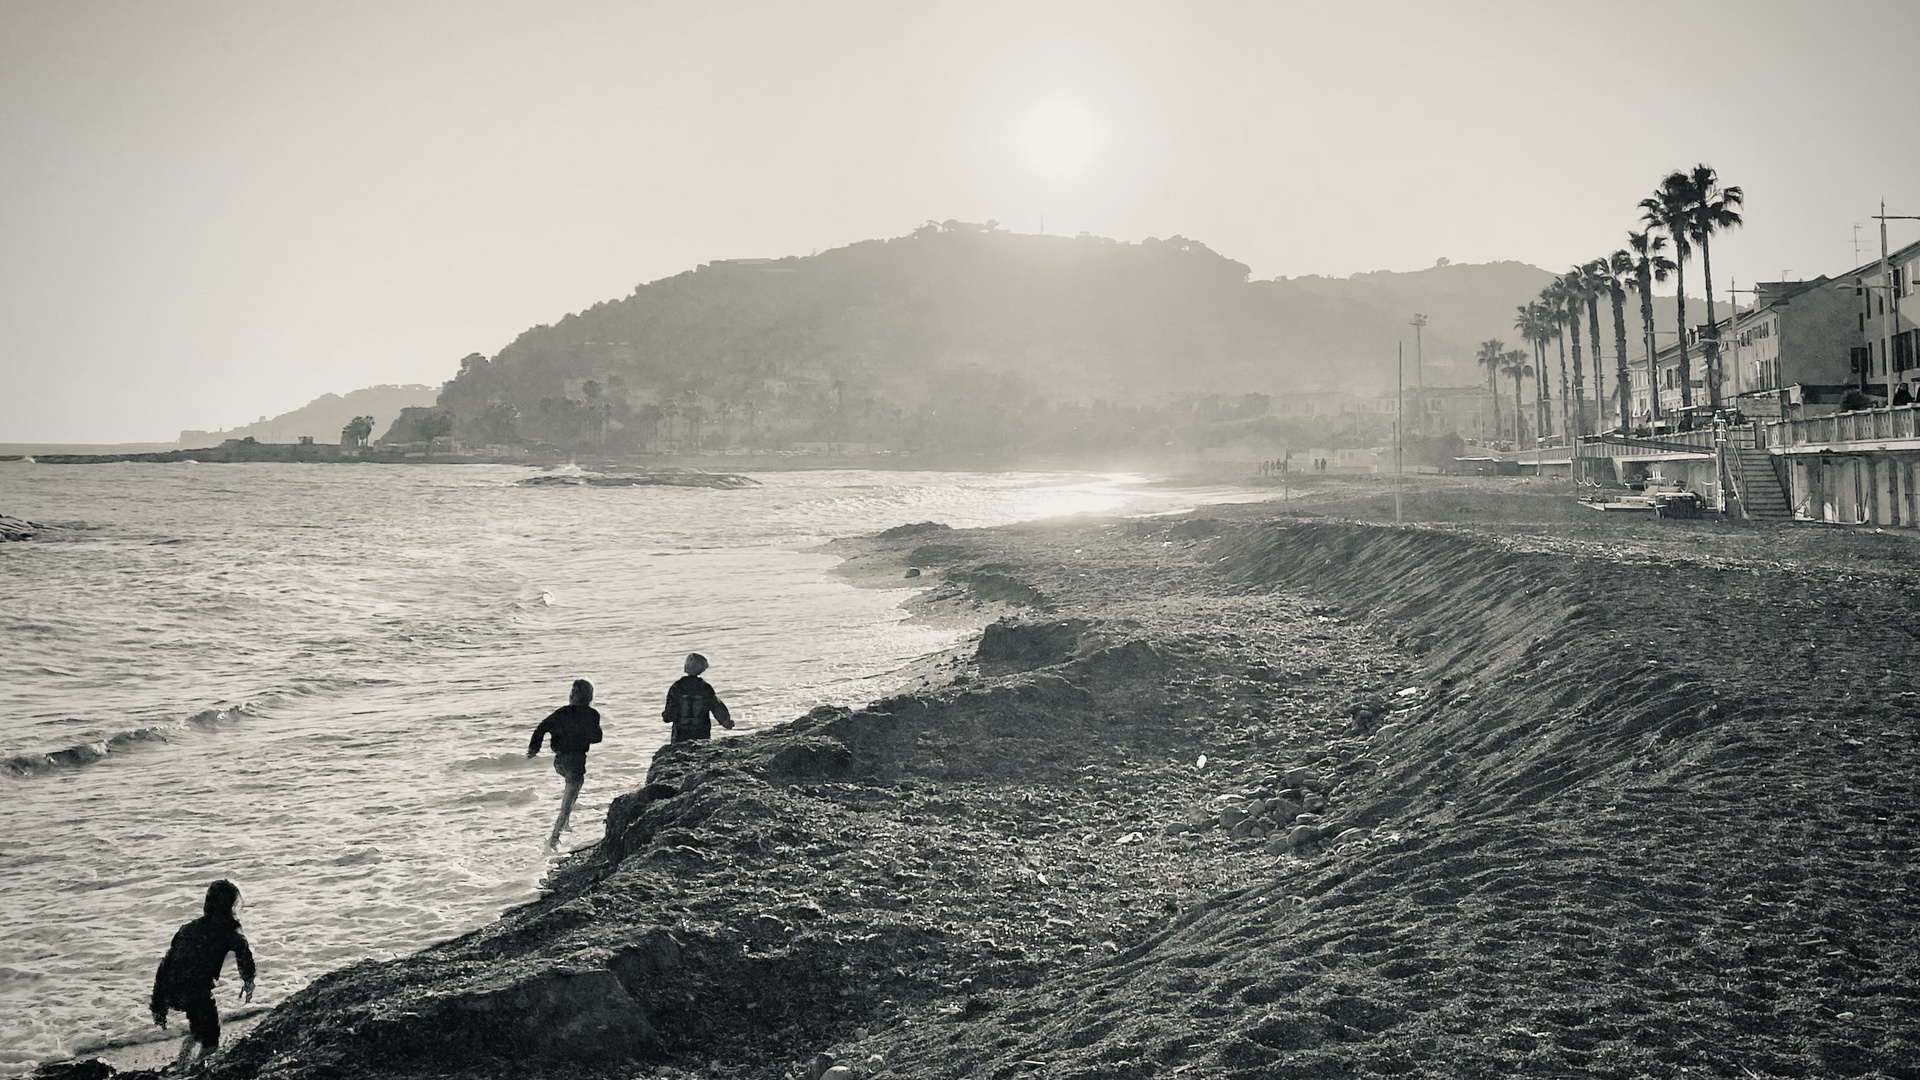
{"x": 86, "y": 753}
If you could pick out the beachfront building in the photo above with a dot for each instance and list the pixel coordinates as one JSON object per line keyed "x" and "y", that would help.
{"x": 1888, "y": 337}
{"x": 1466, "y": 411}
{"x": 1799, "y": 342}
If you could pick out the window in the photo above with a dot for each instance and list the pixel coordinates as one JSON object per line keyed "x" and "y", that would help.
{"x": 1903, "y": 349}
{"x": 1857, "y": 360}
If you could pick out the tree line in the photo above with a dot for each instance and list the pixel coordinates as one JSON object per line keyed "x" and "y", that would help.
{"x": 1679, "y": 219}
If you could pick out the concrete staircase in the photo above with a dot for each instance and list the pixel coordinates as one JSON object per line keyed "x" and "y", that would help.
{"x": 1758, "y": 485}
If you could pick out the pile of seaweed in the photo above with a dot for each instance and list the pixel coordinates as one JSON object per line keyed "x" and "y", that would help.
{"x": 1246, "y": 796}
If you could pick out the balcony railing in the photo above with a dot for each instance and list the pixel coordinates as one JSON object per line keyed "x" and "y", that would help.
{"x": 1699, "y": 440}
{"x": 1866, "y": 425}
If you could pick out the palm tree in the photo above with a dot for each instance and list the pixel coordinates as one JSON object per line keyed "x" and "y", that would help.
{"x": 1650, "y": 264}
{"x": 1554, "y": 299}
{"x": 1530, "y": 319}
{"x": 1574, "y": 296}
{"x": 1617, "y": 268}
{"x": 1489, "y": 358}
{"x": 1514, "y": 362}
{"x": 1714, "y": 209}
{"x": 1594, "y": 276}
{"x": 1670, "y": 208}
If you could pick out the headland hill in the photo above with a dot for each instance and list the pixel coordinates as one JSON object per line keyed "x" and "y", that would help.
{"x": 1276, "y": 789}
{"x": 956, "y": 346}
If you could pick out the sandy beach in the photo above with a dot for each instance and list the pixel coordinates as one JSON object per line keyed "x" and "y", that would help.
{"x": 1264, "y": 790}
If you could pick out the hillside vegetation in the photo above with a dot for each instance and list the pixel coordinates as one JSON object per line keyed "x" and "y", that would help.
{"x": 970, "y": 339}
{"x": 322, "y": 418}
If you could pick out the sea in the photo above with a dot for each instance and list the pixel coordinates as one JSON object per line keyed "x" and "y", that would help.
{"x": 319, "y": 681}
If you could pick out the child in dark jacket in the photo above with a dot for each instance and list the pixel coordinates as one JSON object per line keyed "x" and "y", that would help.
{"x": 691, "y": 703}
{"x": 574, "y": 726}
{"x": 193, "y": 961}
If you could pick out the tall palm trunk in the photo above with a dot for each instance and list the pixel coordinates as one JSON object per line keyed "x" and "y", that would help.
{"x": 1542, "y": 399}
{"x": 1579, "y": 377}
{"x": 1686, "y": 363}
{"x": 1599, "y": 368}
{"x": 1644, "y": 285}
{"x": 1493, "y": 387}
{"x": 1713, "y": 328}
{"x": 1622, "y": 381}
{"x": 1518, "y": 428}
{"x": 1566, "y": 424}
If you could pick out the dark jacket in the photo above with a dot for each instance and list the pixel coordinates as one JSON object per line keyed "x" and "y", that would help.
{"x": 691, "y": 705}
{"x": 193, "y": 961}
{"x": 574, "y": 728}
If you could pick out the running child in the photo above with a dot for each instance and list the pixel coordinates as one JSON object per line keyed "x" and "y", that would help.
{"x": 575, "y": 727}
{"x": 193, "y": 961}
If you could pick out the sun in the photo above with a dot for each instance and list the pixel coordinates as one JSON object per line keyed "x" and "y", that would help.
{"x": 1060, "y": 138}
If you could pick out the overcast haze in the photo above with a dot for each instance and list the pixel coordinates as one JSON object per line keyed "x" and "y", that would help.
{"x": 213, "y": 211}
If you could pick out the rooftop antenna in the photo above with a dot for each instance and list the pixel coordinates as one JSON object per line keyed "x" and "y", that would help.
{"x": 1856, "y": 243}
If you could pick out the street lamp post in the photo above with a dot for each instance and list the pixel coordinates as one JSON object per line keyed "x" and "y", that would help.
{"x": 1399, "y": 422}
{"x": 1890, "y": 311}
{"x": 1419, "y": 374}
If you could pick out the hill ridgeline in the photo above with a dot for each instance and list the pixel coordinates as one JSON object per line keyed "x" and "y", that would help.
{"x": 966, "y": 339}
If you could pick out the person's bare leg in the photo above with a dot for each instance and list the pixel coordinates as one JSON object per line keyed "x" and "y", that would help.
{"x": 566, "y": 811}
{"x": 185, "y": 1056}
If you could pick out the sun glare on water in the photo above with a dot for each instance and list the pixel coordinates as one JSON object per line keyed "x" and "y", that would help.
{"x": 1060, "y": 137}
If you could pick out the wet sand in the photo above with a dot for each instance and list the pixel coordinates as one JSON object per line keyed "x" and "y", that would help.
{"x": 1523, "y": 789}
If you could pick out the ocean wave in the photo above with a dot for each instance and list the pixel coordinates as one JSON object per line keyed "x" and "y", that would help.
{"x": 86, "y": 753}
{"x": 501, "y": 797}
{"x": 510, "y": 762}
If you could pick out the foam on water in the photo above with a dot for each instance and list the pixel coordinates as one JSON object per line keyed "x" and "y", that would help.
{"x": 320, "y": 680}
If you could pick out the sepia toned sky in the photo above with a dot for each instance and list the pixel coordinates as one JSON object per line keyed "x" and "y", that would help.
{"x": 213, "y": 211}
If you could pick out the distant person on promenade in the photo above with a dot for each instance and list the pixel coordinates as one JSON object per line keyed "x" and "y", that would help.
{"x": 691, "y": 702}
{"x": 575, "y": 727}
{"x": 187, "y": 973}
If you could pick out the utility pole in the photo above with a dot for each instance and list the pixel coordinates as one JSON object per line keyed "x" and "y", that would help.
{"x": 1890, "y": 313}
{"x": 1734, "y": 326}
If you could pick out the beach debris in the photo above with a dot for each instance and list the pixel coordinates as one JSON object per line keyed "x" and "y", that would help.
{"x": 913, "y": 572}
{"x": 1201, "y": 763}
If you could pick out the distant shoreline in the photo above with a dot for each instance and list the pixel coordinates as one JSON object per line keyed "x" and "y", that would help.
{"x": 768, "y": 461}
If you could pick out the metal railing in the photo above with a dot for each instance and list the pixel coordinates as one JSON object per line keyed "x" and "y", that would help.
{"x": 1700, "y": 441}
{"x": 1866, "y": 425}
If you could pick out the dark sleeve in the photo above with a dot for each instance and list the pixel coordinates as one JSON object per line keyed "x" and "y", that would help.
{"x": 242, "y": 956}
{"x": 718, "y": 707}
{"x": 595, "y": 722}
{"x": 673, "y": 694}
{"x": 160, "y": 980}
{"x": 540, "y": 733}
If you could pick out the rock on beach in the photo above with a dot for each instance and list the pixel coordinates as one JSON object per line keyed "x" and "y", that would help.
{"x": 13, "y": 528}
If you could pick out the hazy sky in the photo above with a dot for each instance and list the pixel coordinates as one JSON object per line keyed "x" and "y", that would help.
{"x": 213, "y": 211}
